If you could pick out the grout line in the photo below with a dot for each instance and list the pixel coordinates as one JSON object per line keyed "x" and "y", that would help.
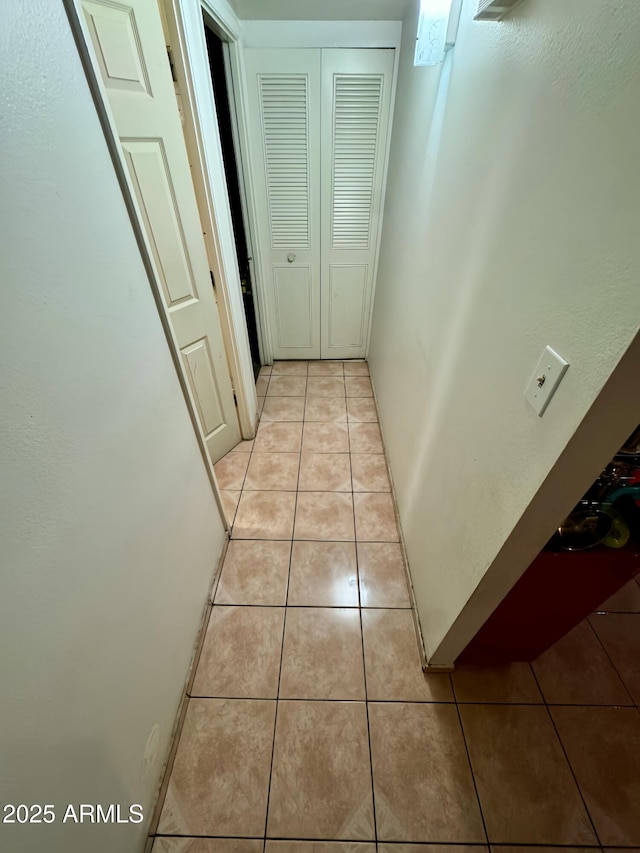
{"x": 414, "y": 702}
{"x": 473, "y": 775}
{"x": 277, "y": 701}
{"x": 425, "y": 844}
{"x": 366, "y": 694}
{"x": 538, "y": 685}
{"x": 284, "y": 628}
{"x": 340, "y": 842}
{"x": 566, "y": 758}
{"x": 311, "y": 605}
{"x": 609, "y": 658}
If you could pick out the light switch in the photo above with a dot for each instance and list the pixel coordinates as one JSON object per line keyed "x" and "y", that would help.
{"x": 546, "y": 378}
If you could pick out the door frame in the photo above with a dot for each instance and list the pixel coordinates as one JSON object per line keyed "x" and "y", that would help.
{"x": 299, "y": 34}
{"x": 191, "y": 65}
{"x": 190, "y": 52}
{"x": 105, "y": 117}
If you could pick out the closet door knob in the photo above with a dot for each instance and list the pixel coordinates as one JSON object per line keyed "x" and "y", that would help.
{"x": 291, "y": 257}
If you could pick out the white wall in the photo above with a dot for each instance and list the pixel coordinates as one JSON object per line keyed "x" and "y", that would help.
{"x": 511, "y": 220}
{"x": 327, "y": 33}
{"x": 110, "y": 532}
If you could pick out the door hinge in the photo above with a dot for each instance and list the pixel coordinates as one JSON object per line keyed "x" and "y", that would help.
{"x": 213, "y": 281}
{"x": 171, "y": 65}
{"x": 235, "y": 400}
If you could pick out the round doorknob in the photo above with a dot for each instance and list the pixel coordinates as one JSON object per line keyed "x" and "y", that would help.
{"x": 291, "y": 257}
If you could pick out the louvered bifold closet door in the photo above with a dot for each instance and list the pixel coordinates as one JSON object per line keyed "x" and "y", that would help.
{"x": 284, "y": 99}
{"x": 356, "y": 99}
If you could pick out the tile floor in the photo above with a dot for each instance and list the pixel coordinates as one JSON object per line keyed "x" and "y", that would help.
{"x": 311, "y": 727}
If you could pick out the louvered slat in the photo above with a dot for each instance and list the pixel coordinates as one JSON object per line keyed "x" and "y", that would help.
{"x": 284, "y": 107}
{"x": 356, "y": 125}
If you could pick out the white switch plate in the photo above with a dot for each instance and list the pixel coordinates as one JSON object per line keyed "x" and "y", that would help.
{"x": 546, "y": 378}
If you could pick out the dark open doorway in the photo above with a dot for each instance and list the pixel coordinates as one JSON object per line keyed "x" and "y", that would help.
{"x": 223, "y": 111}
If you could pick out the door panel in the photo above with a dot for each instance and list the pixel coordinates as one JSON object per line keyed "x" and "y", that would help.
{"x": 283, "y": 97}
{"x": 347, "y": 322}
{"x": 152, "y": 181}
{"x": 356, "y": 100}
{"x": 293, "y": 299}
{"x": 130, "y": 55}
{"x": 115, "y": 36}
{"x": 284, "y": 101}
{"x": 199, "y": 369}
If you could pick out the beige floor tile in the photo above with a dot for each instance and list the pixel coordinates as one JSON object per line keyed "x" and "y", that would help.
{"x": 260, "y": 400}
{"x": 266, "y": 370}
{"x": 356, "y": 368}
{"x": 283, "y": 409}
{"x": 323, "y": 574}
{"x": 207, "y": 845}
{"x": 321, "y": 778}
{"x": 230, "y": 499}
{"x": 626, "y": 600}
{"x": 358, "y": 386}
{"x": 325, "y": 410}
{"x": 241, "y": 653}
{"x": 254, "y": 573}
{"x": 220, "y": 778}
{"x": 324, "y": 516}
{"x": 322, "y": 654}
{"x": 369, "y": 472}
{"x": 383, "y": 580}
{"x": 620, "y": 636}
{"x": 262, "y": 384}
{"x": 524, "y": 782}
{"x": 361, "y": 410}
{"x": 325, "y": 386}
{"x": 375, "y": 517}
{"x": 319, "y": 847}
{"x": 326, "y": 368}
{"x": 289, "y": 368}
{"x": 365, "y": 438}
{"x": 278, "y": 438}
{"x": 325, "y": 438}
{"x": 243, "y": 447}
{"x": 265, "y": 515}
{"x": 392, "y": 660}
{"x": 230, "y": 470}
{"x": 422, "y": 781}
{"x": 272, "y": 471}
{"x": 603, "y": 745}
{"x": 577, "y": 671}
{"x": 287, "y": 386}
{"x": 509, "y": 682}
{"x": 325, "y": 472}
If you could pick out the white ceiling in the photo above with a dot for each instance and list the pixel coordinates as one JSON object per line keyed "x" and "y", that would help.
{"x": 321, "y": 10}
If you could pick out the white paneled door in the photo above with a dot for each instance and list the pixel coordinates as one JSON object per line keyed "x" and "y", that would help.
{"x": 132, "y": 61}
{"x": 319, "y": 125}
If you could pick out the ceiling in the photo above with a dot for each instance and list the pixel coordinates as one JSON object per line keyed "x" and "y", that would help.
{"x": 321, "y": 10}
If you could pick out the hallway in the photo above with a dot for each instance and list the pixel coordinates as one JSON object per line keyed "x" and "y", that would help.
{"x": 310, "y": 717}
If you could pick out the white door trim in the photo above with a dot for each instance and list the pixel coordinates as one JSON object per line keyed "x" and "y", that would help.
{"x": 385, "y": 174}
{"x": 231, "y": 60}
{"x": 107, "y": 123}
{"x": 229, "y": 26}
{"x": 192, "y": 67}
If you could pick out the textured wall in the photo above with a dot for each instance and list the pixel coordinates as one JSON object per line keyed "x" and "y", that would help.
{"x": 511, "y": 222}
{"x": 110, "y": 533}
